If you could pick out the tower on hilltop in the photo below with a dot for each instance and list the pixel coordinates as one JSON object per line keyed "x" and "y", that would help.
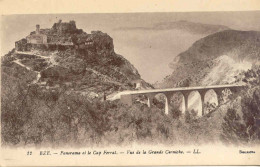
{"x": 37, "y": 38}
{"x": 37, "y": 29}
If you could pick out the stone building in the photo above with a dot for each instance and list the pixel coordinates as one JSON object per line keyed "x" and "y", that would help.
{"x": 37, "y": 38}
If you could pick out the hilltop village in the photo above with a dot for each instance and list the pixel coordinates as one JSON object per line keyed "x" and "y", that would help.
{"x": 62, "y": 35}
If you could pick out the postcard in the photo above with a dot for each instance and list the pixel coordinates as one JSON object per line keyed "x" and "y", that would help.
{"x": 112, "y": 83}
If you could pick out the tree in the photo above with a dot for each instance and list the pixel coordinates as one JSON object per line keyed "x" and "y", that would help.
{"x": 251, "y": 114}
{"x": 233, "y": 128}
{"x": 238, "y": 130}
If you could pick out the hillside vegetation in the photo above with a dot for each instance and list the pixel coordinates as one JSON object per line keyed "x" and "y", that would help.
{"x": 58, "y": 119}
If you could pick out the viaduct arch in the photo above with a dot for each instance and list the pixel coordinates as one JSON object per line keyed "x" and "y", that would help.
{"x": 126, "y": 98}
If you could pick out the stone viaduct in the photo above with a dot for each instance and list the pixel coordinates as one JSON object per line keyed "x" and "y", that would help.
{"x": 127, "y": 97}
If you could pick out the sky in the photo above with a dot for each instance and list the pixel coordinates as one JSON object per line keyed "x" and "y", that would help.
{"x": 149, "y": 51}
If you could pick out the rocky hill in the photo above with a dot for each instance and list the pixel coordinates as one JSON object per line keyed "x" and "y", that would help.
{"x": 215, "y": 59}
{"x": 73, "y": 60}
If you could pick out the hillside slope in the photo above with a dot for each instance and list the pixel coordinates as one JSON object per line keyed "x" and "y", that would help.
{"x": 230, "y": 50}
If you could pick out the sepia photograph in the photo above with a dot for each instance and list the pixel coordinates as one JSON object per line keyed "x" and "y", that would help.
{"x": 98, "y": 80}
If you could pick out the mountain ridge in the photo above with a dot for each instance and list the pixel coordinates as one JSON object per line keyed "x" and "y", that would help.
{"x": 192, "y": 27}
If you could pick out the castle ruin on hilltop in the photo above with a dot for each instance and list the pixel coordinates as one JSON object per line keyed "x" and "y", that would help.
{"x": 59, "y": 36}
